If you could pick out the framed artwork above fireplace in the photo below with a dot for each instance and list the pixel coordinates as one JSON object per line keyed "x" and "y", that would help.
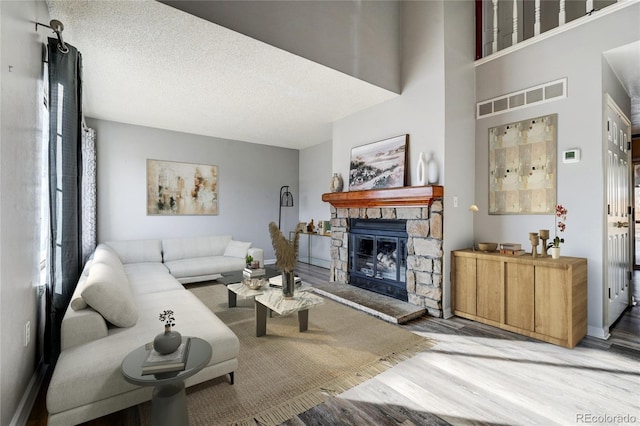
{"x": 379, "y": 164}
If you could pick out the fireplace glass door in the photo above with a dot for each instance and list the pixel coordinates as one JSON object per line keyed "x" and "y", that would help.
{"x": 379, "y": 264}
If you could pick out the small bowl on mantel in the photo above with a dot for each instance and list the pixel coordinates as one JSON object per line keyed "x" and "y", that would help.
{"x": 487, "y": 246}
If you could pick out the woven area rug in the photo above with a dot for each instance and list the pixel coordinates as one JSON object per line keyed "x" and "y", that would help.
{"x": 287, "y": 372}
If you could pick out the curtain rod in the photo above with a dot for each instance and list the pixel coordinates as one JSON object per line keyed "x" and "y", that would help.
{"x": 57, "y": 27}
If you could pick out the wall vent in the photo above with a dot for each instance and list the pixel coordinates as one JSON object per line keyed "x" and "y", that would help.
{"x": 543, "y": 93}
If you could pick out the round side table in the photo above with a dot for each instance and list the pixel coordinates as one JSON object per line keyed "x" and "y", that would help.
{"x": 169, "y": 401}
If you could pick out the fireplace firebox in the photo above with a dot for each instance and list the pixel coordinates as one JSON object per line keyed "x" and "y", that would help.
{"x": 378, "y": 256}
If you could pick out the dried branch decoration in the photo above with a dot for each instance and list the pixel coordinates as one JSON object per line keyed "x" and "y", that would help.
{"x": 286, "y": 251}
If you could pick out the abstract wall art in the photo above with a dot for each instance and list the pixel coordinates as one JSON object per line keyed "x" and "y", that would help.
{"x": 181, "y": 188}
{"x": 522, "y": 167}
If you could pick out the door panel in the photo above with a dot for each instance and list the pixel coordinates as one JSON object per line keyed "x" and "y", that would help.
{"x": 489, "y": 289}
{"x": 618, "y": 248}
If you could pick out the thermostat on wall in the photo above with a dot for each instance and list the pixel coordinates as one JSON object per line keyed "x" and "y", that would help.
{"x": 571, "y": 156}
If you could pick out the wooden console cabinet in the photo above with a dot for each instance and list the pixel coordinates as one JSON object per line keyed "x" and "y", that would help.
{"x": 538, "y": 297}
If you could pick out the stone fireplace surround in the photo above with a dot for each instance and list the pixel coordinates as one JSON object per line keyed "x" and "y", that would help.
{"x": 422, "y": 208}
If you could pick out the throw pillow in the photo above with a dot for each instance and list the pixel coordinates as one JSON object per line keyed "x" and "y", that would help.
{"x": 237, "y": 249}
{"x": 77, "y": 302}
{"x": 107, "y": 291}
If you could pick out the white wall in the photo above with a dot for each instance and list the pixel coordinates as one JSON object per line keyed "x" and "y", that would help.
{"x": 315, "y": 178}
{"x": 579, "y": 185}
{"x": 20, "y": 172}
{"x": 435, "y": 109}
{"x": 358, "y": 38}
{"x": 459, "y": 157}
{"x": 249, "y": 176}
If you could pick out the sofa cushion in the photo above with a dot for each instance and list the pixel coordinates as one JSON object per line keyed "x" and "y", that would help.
{"x": 105, "y": 254}
{"x": 237, "y": 249}
{"x": 186, "y": 248}
{"x": 200, "y": 266}
{"x": 107, "y": 291}
{"x": 137, "y": 251}
{"x": 150, "y": 278}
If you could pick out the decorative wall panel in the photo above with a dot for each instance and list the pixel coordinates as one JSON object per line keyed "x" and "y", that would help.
{"x": 522, "y": 167}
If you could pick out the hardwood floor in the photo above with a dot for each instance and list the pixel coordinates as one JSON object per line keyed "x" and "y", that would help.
{"x": 477, "y": 374}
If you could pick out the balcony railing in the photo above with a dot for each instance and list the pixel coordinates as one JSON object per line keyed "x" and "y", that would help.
{"x": 501, "y": 24}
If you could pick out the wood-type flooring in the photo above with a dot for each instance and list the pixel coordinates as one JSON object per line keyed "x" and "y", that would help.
{"x": 480, "y": 375}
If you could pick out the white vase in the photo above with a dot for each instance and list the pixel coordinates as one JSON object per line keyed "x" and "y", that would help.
{"x": 432, "y": 165}
{"x": 555, "y": 252}
{"x": 421, "y": 171}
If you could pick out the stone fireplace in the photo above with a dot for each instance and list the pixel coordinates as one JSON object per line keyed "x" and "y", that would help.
{"x": 420, "y": 208}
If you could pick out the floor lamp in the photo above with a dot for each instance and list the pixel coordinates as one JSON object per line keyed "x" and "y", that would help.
{"x": 286, "y": 200}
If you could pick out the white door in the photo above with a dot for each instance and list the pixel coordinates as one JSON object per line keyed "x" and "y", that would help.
{"x": 618, "y": 175}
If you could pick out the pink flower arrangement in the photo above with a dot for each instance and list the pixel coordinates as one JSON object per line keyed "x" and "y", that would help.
{"x": 561, "y": 225}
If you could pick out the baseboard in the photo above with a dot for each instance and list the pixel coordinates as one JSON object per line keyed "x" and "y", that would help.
{"x": 599, "y": 333}
{"x": 29, "y": 397}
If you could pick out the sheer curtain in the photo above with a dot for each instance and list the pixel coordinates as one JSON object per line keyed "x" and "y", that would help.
{"x": 88, "y": 204}
{"x": 65, "y": 171}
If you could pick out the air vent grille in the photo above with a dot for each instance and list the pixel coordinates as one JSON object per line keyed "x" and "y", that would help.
{"x": 547, "y": 92}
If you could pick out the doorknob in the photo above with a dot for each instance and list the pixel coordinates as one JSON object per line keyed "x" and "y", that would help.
{"x": 621, "y": 224}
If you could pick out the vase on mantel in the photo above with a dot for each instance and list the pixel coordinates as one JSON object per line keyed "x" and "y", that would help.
{"x": 167, "y": 342}
{"x": 555, "y": 252}
{"x": 421, "y": 170}
{"x": 336, "y": 183}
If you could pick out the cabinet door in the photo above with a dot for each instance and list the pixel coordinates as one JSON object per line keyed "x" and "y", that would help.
{"x": 552, "y": 302}
{"x": 489, "y": 285}
{"x": 519, "y": 295}
{"x": 464, "y": 281}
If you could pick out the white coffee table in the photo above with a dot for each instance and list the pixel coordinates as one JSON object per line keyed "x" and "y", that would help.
{"x": 275, "y": 301}
{"x": 243, "y": 290}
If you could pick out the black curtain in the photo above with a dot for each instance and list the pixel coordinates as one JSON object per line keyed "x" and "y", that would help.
{"x": 65, "y": 171}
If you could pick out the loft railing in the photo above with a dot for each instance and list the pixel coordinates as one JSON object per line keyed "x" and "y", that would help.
{"x": 505, "y": 23}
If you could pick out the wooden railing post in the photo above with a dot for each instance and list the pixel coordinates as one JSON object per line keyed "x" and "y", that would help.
{"x": 514, "y": 15}
{"x": 494, "y": 44}
{"x": 536, "y": 24}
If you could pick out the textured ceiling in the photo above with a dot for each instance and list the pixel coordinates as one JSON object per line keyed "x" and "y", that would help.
{"x": 149, "y": 64}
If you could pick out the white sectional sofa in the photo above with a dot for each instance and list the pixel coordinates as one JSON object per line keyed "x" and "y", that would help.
{"x": 115, "y": 309}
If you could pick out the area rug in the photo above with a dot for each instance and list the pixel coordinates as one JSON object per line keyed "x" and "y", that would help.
{"x": 287, "y": 372}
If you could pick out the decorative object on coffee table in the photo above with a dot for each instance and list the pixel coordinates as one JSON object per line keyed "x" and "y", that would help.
{"x": 169, "y": 341}
{"x": 286, "y": 257}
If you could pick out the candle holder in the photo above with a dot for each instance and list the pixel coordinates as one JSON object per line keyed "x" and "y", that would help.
{"x": 544, "y": 236}
{"x": 535, "y": 240}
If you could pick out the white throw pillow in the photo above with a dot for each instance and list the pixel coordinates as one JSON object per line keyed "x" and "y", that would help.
{"x": 77, "y": 302}
{"x": 237, "y": 249}
{"x": 107, "y": 291}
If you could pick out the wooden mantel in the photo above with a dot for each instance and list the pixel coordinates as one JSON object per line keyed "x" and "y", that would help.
{"x": 395, "y": 197}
